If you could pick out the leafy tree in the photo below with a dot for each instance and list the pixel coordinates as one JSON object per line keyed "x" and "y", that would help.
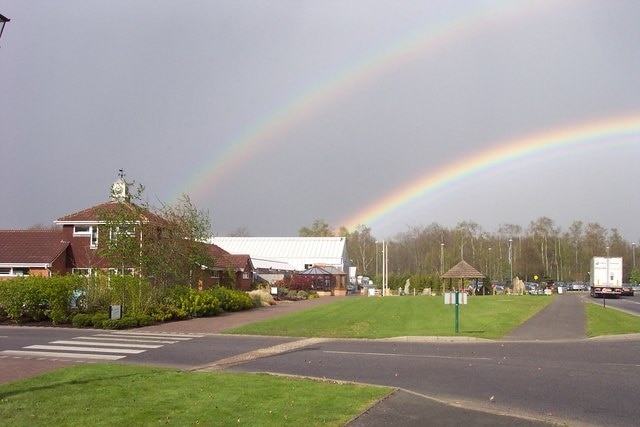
{"x": 240, "y": 232}
{"x": 181, "y": 242}
{"x": 319, "y": 229}
{"x": 165, "y": 246}
{"x": 362, "y": 249}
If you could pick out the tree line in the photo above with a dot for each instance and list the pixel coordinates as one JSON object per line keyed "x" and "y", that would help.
{"x": 540, "y": 251}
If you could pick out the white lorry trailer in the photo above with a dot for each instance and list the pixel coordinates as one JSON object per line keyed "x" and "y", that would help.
{"x": 606, "y": 276}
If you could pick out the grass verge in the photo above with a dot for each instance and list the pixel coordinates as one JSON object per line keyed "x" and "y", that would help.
{"x": 110, "y": 394}
{"x": 609, "y": 321}
{"x": 488, "y": 317}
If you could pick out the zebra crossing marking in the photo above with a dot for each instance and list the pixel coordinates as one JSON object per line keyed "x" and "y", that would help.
{"x": 112, "y": 346}
{"x": 40, "y": 355}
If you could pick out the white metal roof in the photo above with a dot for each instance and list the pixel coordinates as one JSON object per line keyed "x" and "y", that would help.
{"x": 297, "y": 251}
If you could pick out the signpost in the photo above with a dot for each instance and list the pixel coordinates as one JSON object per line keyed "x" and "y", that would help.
{"x": 456, "y": 298}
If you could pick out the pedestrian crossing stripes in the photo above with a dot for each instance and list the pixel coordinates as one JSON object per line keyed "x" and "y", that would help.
{"x": 103, "y": 346}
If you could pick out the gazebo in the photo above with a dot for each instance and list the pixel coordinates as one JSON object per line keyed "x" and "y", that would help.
{"x": 462, "y": 270}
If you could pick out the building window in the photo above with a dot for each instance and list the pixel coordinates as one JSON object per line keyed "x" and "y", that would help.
{"x": 14, "y": 271}
{"x": 245, "y": 275}
{"x": 122, "y": 231}
{"x": 81, "y": 230}
{"x": 215, "y": 274}
{"x": 94, "y": 237}
{"x": 90, "y": 231}
{"x": 81, "y": 271}
{"x": 122, "y": 272}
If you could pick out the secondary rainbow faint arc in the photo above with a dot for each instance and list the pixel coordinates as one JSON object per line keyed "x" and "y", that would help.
{"x": 263, "y": 133}
{"x": 495, "y": 156}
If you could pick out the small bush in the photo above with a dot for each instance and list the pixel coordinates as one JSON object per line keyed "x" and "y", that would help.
{"x": 82, "y": 320}
{"x": 127, "y": 322}
{"x": 232, "y": 300}
{"x": 110, "y": 324}
{"x": 98, "y": 320}
{"x": 166, "y": 311}
{"x": 261, "y": 298}
{"x": 144, "y": 320}
{"x": 198, "y": 304}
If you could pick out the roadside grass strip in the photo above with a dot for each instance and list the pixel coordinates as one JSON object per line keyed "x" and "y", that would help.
{"x": 115, "y": 394}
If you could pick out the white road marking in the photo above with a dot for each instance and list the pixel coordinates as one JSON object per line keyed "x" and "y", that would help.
{"x": 93, "y": 349}
{"x": 152, "y": 335}
{"x": 118, "y": 344}
{"x": 104, "y": 337}
{"x": 22, "y": 353}
{"x": 406, "y": 355}
{"x": 107, "y": 344}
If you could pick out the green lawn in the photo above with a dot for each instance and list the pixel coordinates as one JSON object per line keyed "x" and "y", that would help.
{"x": 360, "y": 317}
{"x": 609, "y": 321}
{"x": 108, "y": 395}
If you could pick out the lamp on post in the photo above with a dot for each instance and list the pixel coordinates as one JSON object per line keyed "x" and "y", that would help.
{"x": 3, "y": 20}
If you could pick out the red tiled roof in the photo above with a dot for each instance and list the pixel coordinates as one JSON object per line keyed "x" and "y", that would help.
{"x": 94, "y": 213}
{"x": 31, "y": 246}
{"x": 223, "y": 259}
{"x": 239, "y": 260}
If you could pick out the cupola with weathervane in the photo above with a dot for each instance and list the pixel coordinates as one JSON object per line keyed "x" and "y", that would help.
{"x": 119, "y": 188}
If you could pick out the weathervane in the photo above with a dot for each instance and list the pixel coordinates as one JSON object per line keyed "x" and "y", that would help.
{"x": 3, "y": 21}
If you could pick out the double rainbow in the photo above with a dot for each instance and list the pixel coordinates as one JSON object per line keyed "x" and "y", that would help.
{"x": 614, "y": 131}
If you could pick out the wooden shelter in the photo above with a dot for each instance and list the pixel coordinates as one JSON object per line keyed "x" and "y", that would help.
{"x": 462, "y": 270}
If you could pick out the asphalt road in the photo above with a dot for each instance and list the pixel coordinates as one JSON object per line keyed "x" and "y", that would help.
{"x": 591, "y": 382}
{"x": 572, "y": 380}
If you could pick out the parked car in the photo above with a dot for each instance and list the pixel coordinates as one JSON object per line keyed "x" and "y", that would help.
{"x": 577, "y": 286}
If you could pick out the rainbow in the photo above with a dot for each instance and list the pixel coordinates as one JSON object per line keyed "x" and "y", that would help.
{"x": 264, "y": 133}
{"x": 622, "y": 130}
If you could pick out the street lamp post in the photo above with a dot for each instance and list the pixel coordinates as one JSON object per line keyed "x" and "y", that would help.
{"x": 385, "y": 268}
{"x": 377, "y": 255}
{"x": 604, "y": 295}
{"x": 3, "y": 21}
{"x": 510, "y": 260}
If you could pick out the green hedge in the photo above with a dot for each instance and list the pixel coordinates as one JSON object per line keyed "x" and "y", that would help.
{"x": 84, "y": 301}
{"x": 33, "y": 298}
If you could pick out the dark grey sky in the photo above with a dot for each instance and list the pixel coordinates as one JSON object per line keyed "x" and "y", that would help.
{"x": 273, "y": 114}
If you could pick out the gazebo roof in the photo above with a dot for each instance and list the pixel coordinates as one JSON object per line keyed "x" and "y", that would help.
{"x": 463, "y": 270}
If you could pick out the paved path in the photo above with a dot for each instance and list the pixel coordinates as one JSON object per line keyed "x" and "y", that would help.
{"x": 564, "y": 319}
